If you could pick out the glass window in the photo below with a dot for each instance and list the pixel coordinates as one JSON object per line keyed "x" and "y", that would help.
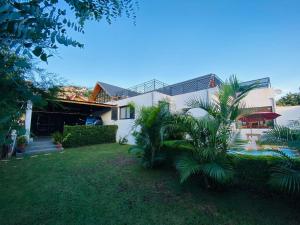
{"x": 114, "y": 113}
{"x": 127, "y": 112}
{"x": 102, "y": 97}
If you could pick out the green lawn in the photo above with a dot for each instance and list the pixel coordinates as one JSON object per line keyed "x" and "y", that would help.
{"x": 102, "y": 184}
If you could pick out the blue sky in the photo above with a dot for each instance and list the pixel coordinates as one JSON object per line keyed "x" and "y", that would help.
{"x": 175, "y": 40}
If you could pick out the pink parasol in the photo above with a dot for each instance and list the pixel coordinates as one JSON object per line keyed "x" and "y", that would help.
{"x": 259, "y": 116}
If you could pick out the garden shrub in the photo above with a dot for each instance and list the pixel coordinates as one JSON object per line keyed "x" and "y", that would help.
{"x": 250, "y": 172}
{"x": 253, "y": 172}
{"x": 81, "y": 135}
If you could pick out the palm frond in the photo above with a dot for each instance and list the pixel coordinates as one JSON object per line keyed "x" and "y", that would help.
{"x": 138, "y": 151}
{"x": 208, "y": 105}
{"x": 279, "y": 135}
{"x": 219, "y": 171}
{"x": 285, "y": 179}
{"x": 186, "y": 167}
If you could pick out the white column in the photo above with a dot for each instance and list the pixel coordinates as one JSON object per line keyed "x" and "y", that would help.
{"x": 28, "y": 116}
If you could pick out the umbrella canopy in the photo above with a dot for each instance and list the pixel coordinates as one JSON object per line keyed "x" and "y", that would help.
{"x": 259, "y": 116}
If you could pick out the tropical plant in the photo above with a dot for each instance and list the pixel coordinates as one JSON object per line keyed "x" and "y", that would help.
{"x": 21, "y": 140}
{"x": 149, "y": 132}
{"x": 59, "y": 138}
{"x": 123, "y": 140}
{"x": 285, "y": 176}
{"x": 290, "y": 99}
{"x": 207, "y": 156}
{"x": 211, "y": 135}
{"x": 283, "y": 136}
{"x": 20, "y": 81}
{"x": 34, "y": 28}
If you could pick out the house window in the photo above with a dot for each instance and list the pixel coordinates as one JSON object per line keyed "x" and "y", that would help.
{"x": 127, "y": 112}
{"x": 102, "y": 97}
{"x": 165, "y": 104}
{"x": 114, "y": 113}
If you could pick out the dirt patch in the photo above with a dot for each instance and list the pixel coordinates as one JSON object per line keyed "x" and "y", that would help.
{"x": 166, "y": 194}
{"x": 122, "y": 161}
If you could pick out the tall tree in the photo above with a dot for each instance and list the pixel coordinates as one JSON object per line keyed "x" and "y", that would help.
{"x": 289, "y": 99}
{"x": 38, "y": 26}
{"x": 21, "y": 81}
{"x": 35, "y": 28}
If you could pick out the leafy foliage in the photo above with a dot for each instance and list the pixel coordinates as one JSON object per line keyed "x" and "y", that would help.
{"x": 59, "y": 138}
{"x": 35, "y": 27}
{"x": 211, "y": 136}
{"x": 150, "y": 131}
{"x": 123, "y": 140}
{"x": 289, "y": 99}
{"x": 81, "y": 135}
{"x": 21, "y": 81}
{"x": 228, "y": 105}
{"x": 257, "y": 173}
{"x": 208, "y": 158}
{"x": 21, "y": 140}
{"x": 285, "y": 176}
{"x": 281, "y": 135}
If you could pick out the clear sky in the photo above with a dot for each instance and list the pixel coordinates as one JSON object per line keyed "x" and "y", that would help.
{"x": 175, "y": 40}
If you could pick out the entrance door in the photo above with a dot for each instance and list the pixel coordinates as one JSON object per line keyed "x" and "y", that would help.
{"x": 44, "y": 124}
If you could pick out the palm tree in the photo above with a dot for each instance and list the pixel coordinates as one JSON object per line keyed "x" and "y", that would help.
{"x": 211, "y": 136}
{"x": 207, "y": 157}
{"x": 227, "y": 107}
{"x": 282, "y": 135}
{"x": 285, "y": 175}
{"x": 150, "y": 131}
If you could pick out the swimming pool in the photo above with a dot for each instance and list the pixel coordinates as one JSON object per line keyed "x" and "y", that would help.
{"x": 287, "y": 151}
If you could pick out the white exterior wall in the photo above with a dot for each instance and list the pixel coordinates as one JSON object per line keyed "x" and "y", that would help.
{"x": 288, "y": 114}
{"x": 125, "y": 125}
{"x": 181, "y": 100}
{"x": 256, "y": 98}
{"x": 177, "y": 103}
{"x": 260, "y": 97}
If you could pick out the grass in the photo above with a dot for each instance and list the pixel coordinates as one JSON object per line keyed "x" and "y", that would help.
{"x": 102, "y": 184}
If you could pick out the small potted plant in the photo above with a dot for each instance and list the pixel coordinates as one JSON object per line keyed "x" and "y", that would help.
{"x": 21, "y": 143}
{"x": 59, "y": 139}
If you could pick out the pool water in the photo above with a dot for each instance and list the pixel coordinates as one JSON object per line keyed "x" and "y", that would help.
{"x": 287, "y": 151}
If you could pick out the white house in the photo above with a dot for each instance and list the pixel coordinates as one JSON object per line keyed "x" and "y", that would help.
{"x": 150, "y": 93}
{"x": 111, "y": 103}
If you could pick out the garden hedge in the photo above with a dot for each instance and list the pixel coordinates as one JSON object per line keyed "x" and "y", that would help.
{"x": 251, "y": 172}
{"x": 81, "y": 135}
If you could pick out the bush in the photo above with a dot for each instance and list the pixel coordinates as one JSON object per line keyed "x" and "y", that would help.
{"x": 123, "y": 140}
{"x": 81, "y": 135}
{"x": 250, "y": 172}
{"x": 59, "y": 138}
{"x": 21, "y": 140}
{"x": 253, "y": 172}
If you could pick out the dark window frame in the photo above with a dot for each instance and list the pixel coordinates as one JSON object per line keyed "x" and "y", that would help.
{"x": 167, "y": 103}
{"x": 102, "y": 97}
{"x": 114, "y": 113}
{"x": 131, "y": 112}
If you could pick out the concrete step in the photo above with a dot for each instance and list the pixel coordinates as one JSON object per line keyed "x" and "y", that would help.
{"x": 40, "y": 151}
{"x": 36, "y": 147}
{"x": 41, "y": 145}
{"x": 40, "y": 142}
